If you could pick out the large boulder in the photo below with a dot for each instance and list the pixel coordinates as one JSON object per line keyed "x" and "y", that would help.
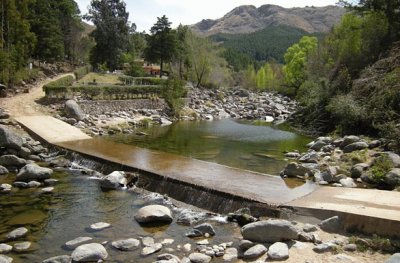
{"x": 349, "y": 140}
{"x": 89, "y": 252}
{"x": 154, "y": 213}
{"x": 33, "y": 172}
{"x": 10, "y": 140}
{"x": 73, "y": 110}
{"x": 392, "y": 178}
{"x": 12, "y": 161}
{"x": 332, "y": 224}
{"x": 295, "y": 170}
{"x": 117, "y": 180}
{"x": 395, "y": 158}
{"x": 272, "y": 230}
{"x": 355, "y": 147}
{"x": 310, "y": 157}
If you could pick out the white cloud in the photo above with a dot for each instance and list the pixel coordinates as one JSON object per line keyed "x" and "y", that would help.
{"x": 144, "y": 13}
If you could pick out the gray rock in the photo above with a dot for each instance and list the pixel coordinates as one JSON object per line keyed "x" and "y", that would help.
{"x": 199, "y": 258}
{"x": 205, "y": 229}
{"x": 392, "y": 178}
{"x": 3, "y": 170}
{"x": 22, "y": 246}
{"x": 245, "y": 244}
{"x": 11, "y": 161}
{"x": 50, "y": 182}
{"x": 5, "y": 259}
{"x": 17, "y": 233}
{"x": 168, "y": 258}
{"x": 395, "y": 158}
{"x": 194, "y": 233}
{"x": 5, "y": 187}
{"x": 349, "y": 140}
{"x": 60, "y": 161}
{"x": 325, "y": 247}
{"x": 126, "y": 244}
{"x": 34, "y": 172}
{"x": 348, "y": 182}
{"x": 230, "y": 254}
{"x": 395, "y": 258}
{"x": 311, "y": 157}
{"x": 374, "y": 144}
{"x": 89, "y": 252}
{"x": 295, "y": 169}
{"x": 358, "y": 169}
{"x": 20, "y": 185}
{"x": 255, "y": 252}
{"x": 151, "y": 249}
{"x": 33, "y": 184}
{"x": 331, "y": 225}
{"x": 278, "y": 251}
{"x": 350, "y": 247}
{"x": 58, "y": 259}
{"x": 309, "y": 228}
{"x": 99, "y": 226}
{"x": 9, "y": 139}
{"x": 342, "y": 258}
{"x": 115, "y": 180}
{"x": 4, "y": 248}
{"x": 147, "y": 241}
{"x": 293, "y": 155}
{"x": 318, "y": 145}
{"x": 272, "y": 230}
{"x": 73, "y": 110}
{"x": 24, "y": 152}
{"x": 355, "y": 147}
{"x": 72, "y": 244}
{"x": 185, "y": 260}
{"x": 154, "y": 213}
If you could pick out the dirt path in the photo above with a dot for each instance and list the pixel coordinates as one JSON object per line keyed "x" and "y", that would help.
{"x": 25, "y": 104}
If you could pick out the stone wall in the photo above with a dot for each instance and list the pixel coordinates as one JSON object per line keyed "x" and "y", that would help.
{"x": 104, "y": 106}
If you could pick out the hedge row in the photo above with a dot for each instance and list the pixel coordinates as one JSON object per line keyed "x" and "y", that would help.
{"x": 61, "y": 82}
{"x": 111, "y": 92}
{"x": 132, "y": 81}
{"x": 81, "y": 72}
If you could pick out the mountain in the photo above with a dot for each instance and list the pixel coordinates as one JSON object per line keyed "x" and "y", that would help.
{"x": 248, "y": 18}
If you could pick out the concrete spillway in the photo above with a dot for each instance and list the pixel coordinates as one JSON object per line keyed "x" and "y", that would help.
{"x": 223, "y": 189}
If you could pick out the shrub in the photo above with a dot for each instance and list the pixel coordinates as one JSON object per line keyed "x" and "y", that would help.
{"x": 81, "y": 72}
{"x": 128, "y": 80}
{"x": 381, "y": 166}
{"x": 61, "y": 82}
{"x": 173, "y": 91}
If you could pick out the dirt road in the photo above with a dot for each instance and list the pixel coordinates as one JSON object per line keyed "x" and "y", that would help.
{"x": 25, "y": 104}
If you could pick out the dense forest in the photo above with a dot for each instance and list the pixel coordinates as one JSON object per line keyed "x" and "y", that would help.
{"x": 264, "y": 45}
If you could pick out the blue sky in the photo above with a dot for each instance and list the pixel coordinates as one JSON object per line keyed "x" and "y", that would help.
{"x": 144, "y": 13}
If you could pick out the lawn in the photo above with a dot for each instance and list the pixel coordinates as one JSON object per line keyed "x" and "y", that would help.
{"x": 100, "y": 78}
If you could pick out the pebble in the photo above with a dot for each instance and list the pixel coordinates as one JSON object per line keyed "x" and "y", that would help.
{"x": 187, "y": 247}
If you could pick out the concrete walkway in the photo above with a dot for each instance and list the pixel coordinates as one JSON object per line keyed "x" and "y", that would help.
{"x": 371, "y": 211}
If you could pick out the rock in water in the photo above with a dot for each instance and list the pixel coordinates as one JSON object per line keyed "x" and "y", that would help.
{"x": 89, "y": 252}
{"x": 17, "y": 233}
{"x": 3, "y": 170}
{"x": 127, "y": 244}
{"x": 33, "y": 172}
{"x": 77, "y": 241}
{"x": 22, "y": 246}
{"x": 5, "y": 259}
{"x": 73, "y": 110}
{"x": 99, "y": 226}
{"x": 114, "y": 180}
{"x": 278, "y": 251}
{"x": 230, "y": 254}
{"x": 4, "y": 248}
{"x": 154, "y": 213}
{"x": 199, "y": 258}
{"x": 10, "y": 140}
{"x": 205, "y": 229}
{"x": 272, "y": 230}
{"x": 255, "y": 252}
{"x": 58, "y": 259}
{"x": 151, "y": 249}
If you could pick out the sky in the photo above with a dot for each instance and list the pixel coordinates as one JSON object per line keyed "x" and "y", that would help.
{"x": 144, "y": 13}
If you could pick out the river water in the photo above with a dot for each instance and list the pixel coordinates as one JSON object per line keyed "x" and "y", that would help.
{"x": 251, "y": 146}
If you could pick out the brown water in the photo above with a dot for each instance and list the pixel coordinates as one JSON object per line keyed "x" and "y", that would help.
{"x": 250, "y": 146}
{"x": 78, "y": 202}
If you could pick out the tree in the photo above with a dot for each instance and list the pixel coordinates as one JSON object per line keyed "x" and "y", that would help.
{"x": 296, "y": 59}
{"x": 161, "y": 44}
{"x": 111, "y": 34}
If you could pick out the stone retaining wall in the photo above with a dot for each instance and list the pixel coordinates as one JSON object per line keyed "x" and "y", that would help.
{"x": 104, "y": 106}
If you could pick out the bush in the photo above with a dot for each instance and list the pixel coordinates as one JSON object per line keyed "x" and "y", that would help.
{"x": 381, "y": 166}
{"x": 173, "y": 92}
{"x": 61, "y": 82}
{"x": 128, "y": 80}
{"x": 81, "y": 72}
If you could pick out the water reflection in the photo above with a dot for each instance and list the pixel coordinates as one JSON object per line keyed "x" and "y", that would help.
{"x": 236, "y": 144}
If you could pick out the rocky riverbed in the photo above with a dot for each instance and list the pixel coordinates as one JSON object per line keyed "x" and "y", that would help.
{"x": 350, "y": 161}
{"x": 198, "y": 236}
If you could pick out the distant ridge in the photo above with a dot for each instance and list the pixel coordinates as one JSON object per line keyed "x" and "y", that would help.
{"x": 248, "y": 18}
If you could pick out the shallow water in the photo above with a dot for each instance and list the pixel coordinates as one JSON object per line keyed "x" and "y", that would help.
{"x": 244, "y": 145}
{"x": 76, "y": 203}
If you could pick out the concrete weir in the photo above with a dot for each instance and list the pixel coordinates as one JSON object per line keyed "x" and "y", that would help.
{"x": 224, "y": 189}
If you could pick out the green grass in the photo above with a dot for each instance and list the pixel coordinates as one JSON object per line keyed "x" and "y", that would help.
{"x": 99, "y": 78}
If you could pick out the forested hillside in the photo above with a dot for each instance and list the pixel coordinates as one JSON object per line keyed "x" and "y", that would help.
{"x": 264, "y": 45}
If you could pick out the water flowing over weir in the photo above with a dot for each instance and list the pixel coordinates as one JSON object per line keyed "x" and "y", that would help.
{"x": 182, "y": 186}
